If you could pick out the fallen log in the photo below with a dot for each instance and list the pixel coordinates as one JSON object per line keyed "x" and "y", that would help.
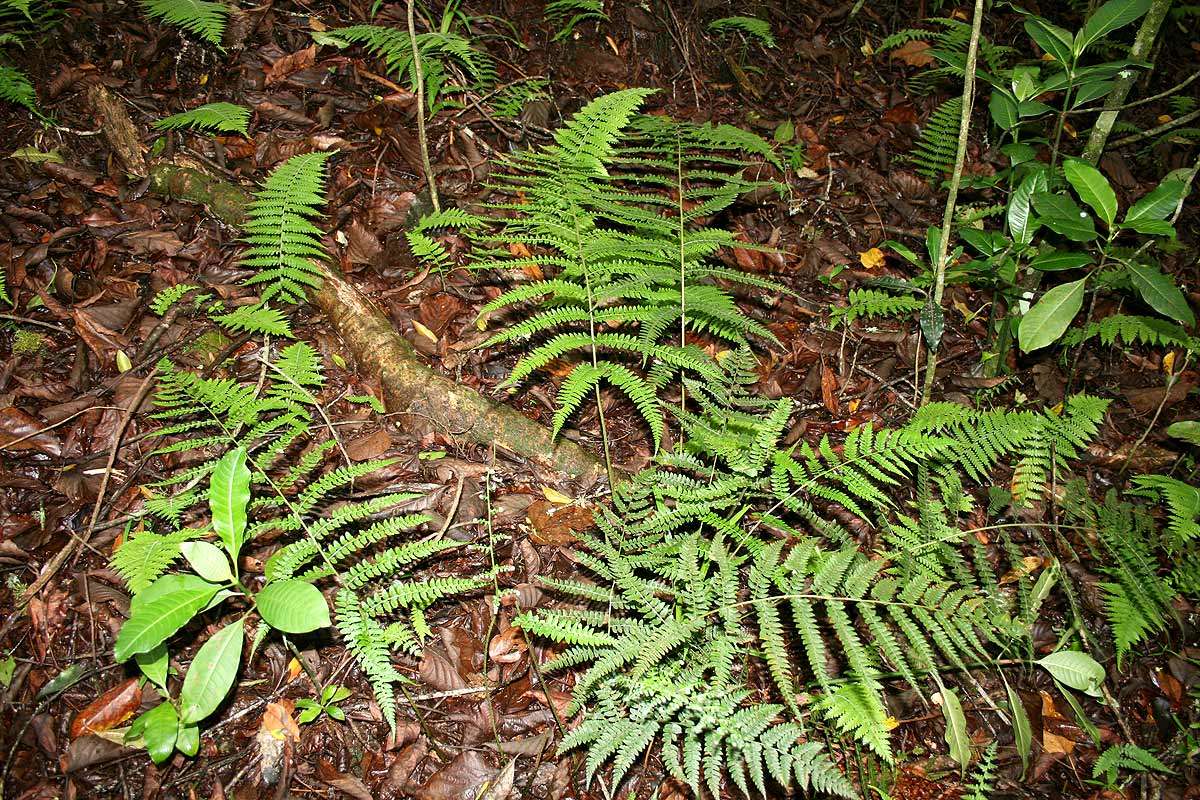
{"x": 410, "y": 387}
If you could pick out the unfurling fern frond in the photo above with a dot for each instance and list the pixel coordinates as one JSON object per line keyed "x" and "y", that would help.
{"x": 284, "y": 241}
{"x": 566, "y": 15}
{"x": 752, "y": 27}
{"x": 15, "y": 87}
{"x": 204, "y": 18}
{"x": 934, "y": 152}
{"x": 221, "y": 117}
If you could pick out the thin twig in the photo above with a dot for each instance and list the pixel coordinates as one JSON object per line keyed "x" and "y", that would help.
{"x": 419, "y": 80}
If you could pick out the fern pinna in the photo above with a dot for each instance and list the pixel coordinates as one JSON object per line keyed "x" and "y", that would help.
{"x": 611, "y": 219}
{"x": 203, "y": 18}
{"x": 219, "y": 117}
{"x": 299, "y": 497}
{"x": 732, "y": 549}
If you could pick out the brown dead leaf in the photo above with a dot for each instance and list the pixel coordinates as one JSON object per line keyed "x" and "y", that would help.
{"x": 437, "y": 671}
{"x": 461, "y": 778}
{"x": 277, "y": 721}
{"x": 557, "y": 524}
{"x": 438, "y": 310}
{"x": 347, "y": 784}
{"x": 274, "y": 739}
{"x": 21, "y": 431}
{"x": 362, "y": 246}
{"x": 506, "y": 647}
{"x": 291, "y": 63}
{"x": 369, "y": 445}
{"x": 914, "y": 53}
{"x": 829, "y": 387}
{"x": 109, "y": 709}
{"x": 47, "y": 617}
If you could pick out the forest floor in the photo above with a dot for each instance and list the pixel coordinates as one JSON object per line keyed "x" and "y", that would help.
{"x": 85, "y": 246}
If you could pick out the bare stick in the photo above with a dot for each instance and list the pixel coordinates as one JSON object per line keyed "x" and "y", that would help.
{"x": 419, "y": 80}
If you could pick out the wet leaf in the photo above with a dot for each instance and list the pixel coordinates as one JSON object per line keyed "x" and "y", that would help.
{"x": 211, "y": 674}
{"x": 109, "y": 709}
{"x": 20, "y": 431}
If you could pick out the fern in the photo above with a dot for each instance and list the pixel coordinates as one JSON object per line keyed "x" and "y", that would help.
{"x": 1131, "y": 330}
{"x": 299, "y": 499}
{"x": 509, "y": 101}
{"x": 1182, "y": 503}
{"x": 948, "y": 40}
{"x": 751, "y": 27}
{"x": 204, "y": 18}
{"x": 984, "y": 776}
{"x": 629, "y": 271}
{"x": 222, "y": 117}
{"x": 868, "y": 303}
{"x": 729, "y": 549}
{"x": 935, "y": 149}
{"x": 440, "y": 50}
{"x": 16, "y": 88}
{"x": 284, "y": 242}
{"x": 1126, "y": 757}
{"x": 567, "y": 15}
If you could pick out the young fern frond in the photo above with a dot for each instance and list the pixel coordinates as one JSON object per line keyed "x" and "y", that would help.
{"x": 870, "y": 303}
{"x": 220, "y": 117}
{"x": 203, "y": 18}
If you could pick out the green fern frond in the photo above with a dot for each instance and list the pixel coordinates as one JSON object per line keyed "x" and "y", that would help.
{"x": 284, "y": 243}
{"x": 221, "y": 117}
{"x": 144, "y": 557}
{"x": 934, "y": 152}
{"x": 15, "y": 87}
{"x": 1182, "y": 502}
{"x": 869, "y": 303}
{"x": 752, "y": 27}
{"x": 204, "y": 18}
{"x": 566, "y": 15}
{"x": 1130, "y": 330}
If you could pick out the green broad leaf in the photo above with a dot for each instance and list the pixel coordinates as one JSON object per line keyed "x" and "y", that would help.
{"x": 1021, "y": 222}
{"x": 1022, "y": 729}
{"x": 151, "y": 623}
{"x": 933, "y": 243}
{"x": 956, "y": 729}
{"x": 228, "y": 493}
{"x": 188, "y": 739}
{"x": 153, "y": 664}
{"x": 785, "y": 132}
{"x": 166, "y": 584}
{"x": 1025, "y": 84}
{"x": 1075, "y": 669}
{"x": 932, "y": 323}
{"x": 1003, "y": 109}
{"x": 1092, "y": 187}
{"x": 1048, "y": 320}
{"x": 1187, "y": 430}
{"x": 1158, "y": 204}
{"x": 1092, "y": 90}
{"x": 1107, "y": 18}
{"x": 62, "y": 681}
{"x": 1052, "y": 39}
{"x": 211, "y": 674}
{"x": 1062, "y": 215}
{"x": 1161, "y": 293}
{"x": 158, "y": 729}
{"x": 1151, "y": 227}
{"x": 293, "y": 606}
{"x": 1059, "y": 260}
{"x": 1018, "y": 153}
{"x": 8, "y": 665}
{"x": 208, "y": 561}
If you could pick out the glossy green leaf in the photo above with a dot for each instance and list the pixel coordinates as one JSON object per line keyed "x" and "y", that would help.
{"x": 152, "y": 622}
{"x": 1075, "y": 669}
{"x": 1022, "y": 729}
{"x": 1092, "y": 90}
{"x": 228, "y": 493}
{"x": 1107, "y": 18}
{"x": 1045, "y": 323}
{"x": 1021, "y": 223}
{"x": 293, "y": 606}
{"x": 1059, "y": 260}
{"x": 1003, "y": 110}
{"x": 1152, "y": 227}
{"x": 1063, "y": 215}
{"x": 153, "y": 665}
{"x": 62, "y": 681}
{"x": 1187, "y": 430}
{"x": 211, "y": 674}
{"x": 207, "y": 560}
{"x": 1052, "y": 39}
{"x": 158, "y": 729}
{"x": 1158, "y": 204}
{"x": 1092, "y": 188}
{"x": 956, "y": 734}
{"x": 1161, "y": 293}
{"x": 188, "y": 739}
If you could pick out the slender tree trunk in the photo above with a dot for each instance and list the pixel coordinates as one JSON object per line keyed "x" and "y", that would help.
{"x": 1142, "y": 45}
{"x": 934, "y": 305}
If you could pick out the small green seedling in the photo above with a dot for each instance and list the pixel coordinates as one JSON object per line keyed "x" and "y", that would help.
{"x": 328, "y": 705}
